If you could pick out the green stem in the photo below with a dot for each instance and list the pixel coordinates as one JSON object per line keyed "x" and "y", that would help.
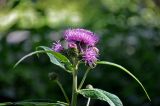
{"x": 74, "y": 85}
{"x": 63, "y": 91}
{"x": 88, "y": 102}
{"x": 74, "y": 90}
{"x": 83, "y": 79}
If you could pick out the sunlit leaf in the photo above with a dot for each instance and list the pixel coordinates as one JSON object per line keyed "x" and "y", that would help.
{"x": 58, "y": 59}
{"x": 5, "y": 104}
{"x": 95, "y": 93}
{"x": 55, "y": 57}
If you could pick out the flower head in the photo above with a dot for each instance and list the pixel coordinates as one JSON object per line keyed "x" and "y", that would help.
{"x": 90, "y": 56}
{"x": 81, "y": 35}
{"x": 57, "y": 47}
{"x": 81, "y": 45}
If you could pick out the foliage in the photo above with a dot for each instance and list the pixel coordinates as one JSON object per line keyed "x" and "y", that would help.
{"x": 62, "y": 61}
{"x": 113, "y": 100}
{"x": 129, "y": 33}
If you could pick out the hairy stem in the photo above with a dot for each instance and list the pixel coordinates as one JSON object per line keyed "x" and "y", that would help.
{"x": 83, "y": 79}
{"x": 63, "y": 91}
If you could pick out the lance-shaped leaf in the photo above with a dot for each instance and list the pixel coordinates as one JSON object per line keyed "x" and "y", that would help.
{"x": 95, "y": 93}
{"x": 34, "y": 104}
{"x": 58, "y": 58}
{"x": 5, "y": 104}
{"x": 128, "y": 72}
{"x": 28, "y": 55}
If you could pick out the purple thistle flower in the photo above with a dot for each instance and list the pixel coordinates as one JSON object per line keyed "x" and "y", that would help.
{"x": 57, "y": 47}
{"x": 81, "y": 35}
{"x": 90, "y": 56}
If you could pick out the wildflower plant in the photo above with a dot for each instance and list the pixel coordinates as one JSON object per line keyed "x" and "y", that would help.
{"x": 81, "y": 49}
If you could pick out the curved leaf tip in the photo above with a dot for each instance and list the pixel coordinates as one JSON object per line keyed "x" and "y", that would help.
{"x": 28, "y": 55}
{"x": 128, "y": 72}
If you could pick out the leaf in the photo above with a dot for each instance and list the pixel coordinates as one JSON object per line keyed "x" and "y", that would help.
{"x": 5, "y": 104}
{"x": 28, "y": 55}
{"x": 34, "y": 104}
{"x": 95, "y": 93}
{"x": 58, "y": 59}
{"x": 128, "y": 72}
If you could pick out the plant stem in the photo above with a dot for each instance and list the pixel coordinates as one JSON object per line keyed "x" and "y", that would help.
{"x": 63, "y": 91}
{"x": 83, "y": 79}
{"x": 74, "y": 90}
{"x": 89, "y": 99}
{"x": 74, "y": 86}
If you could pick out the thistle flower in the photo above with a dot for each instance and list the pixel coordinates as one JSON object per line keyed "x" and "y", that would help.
{"x": 81, "y": 35}
{"x": 90, "y": 56}
{"x": 57, "y": 47}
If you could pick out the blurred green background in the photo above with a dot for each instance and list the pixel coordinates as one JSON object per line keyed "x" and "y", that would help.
{"x": 129, "y": 33}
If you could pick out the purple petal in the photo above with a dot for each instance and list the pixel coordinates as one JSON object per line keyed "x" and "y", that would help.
{"x": 81, "y": 35}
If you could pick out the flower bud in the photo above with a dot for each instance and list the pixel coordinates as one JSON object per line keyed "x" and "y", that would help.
{"x": 96, "y": 50}
{"x": 72, "y": 45}
{"x": 89, "y": 86}
{"x": 73, "y": 50}
{"x": 90, "y": 56}
{"x": 53, "y": 76}
{"x": 57, "y": 47}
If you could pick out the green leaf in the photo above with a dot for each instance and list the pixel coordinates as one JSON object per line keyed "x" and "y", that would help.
{"x": 58, "y": 59}
{"x": 128, "y": 72}
{"x": 34, "y": 104}
{"x": 28, "y": 55}
{"x": 95, "y": 93}
{"x": 5, "y": 104}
